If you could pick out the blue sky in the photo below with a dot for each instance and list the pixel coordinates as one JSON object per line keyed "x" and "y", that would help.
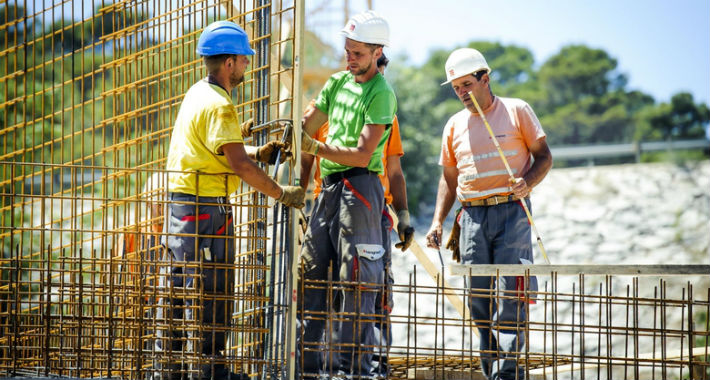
{"x": 662, "y": 46}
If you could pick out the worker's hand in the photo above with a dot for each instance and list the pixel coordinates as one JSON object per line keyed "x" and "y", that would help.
{"x": 404, "y": 230}
{"x": 292, "y": 196}
{"x": 267, "y": 153}
{"x": 309, "y": 145}
{"x": 246, "y": 127}
{"x": 520, "y": 187}
{"x": 433, "y": 237}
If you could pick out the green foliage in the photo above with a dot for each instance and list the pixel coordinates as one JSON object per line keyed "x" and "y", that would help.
{"x": 511, "y": 65}
{"x": 577, "y": 72}
{"x": 578, "y": 94}
{"x": 421, "y": 113}
{"x": 682, "y": 118}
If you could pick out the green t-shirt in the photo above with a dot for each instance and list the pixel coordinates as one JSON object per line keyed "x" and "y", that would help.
{"x": 350, "y": 106}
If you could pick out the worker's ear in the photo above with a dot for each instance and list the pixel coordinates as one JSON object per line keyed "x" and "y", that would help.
{"x": 230, "y": 61}
{"x": 377, "y": 53}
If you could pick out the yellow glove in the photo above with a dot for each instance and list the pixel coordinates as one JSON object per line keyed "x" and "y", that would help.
{"x": 267, "y": 153}
{"x": 292, "y": 196}
{"x": 309, "y": 145}
{"x": 246, "y": 127}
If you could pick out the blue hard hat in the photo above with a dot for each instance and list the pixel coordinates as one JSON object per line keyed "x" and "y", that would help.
{"x": 223, "y": 37}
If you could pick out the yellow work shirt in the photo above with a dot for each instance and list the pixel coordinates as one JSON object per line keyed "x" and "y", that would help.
{"x": 206, "y": 121}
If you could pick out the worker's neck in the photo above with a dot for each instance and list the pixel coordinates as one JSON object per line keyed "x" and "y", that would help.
{"x": 367, "y": 76}
{"x": 220, "y": 80}
{"x": 484, "y": 103}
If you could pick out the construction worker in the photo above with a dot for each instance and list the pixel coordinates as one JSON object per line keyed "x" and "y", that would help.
{"x": 395, "y": 189}
{"x": 345, "y": 226}
{"x": 206, "y": 161}
{"x": 494, "y": 226}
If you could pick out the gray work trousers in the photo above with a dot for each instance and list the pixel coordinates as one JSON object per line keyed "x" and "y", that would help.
{"x": 498, "y": 234}
{"x": 193, "y": 321}
{"x": 345, "y": 229}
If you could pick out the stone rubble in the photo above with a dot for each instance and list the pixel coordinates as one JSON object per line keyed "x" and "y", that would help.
{"x": 656, "y": 213}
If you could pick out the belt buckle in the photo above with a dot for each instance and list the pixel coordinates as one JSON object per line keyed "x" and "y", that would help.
{"x": 497, "y": 200}
{"x": 223, "y": 205}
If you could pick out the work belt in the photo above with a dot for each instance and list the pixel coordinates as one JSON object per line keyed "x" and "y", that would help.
{"x": 334, "y": 178}
{"x": 221, "y": 202}
{"x": 491, "y": 201}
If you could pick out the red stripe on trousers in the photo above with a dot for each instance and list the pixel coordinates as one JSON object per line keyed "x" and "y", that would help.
{"x": 221, "y": 230}
{"x": 356, "y": 193}
{"x": 520, "y": 285}
{"x": 192, "y": 218}
{"x": 389, "y": 217}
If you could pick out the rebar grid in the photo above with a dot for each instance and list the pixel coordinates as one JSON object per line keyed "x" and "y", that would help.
{"x": 89, "y": 95}
{"x": 579, "y": 327}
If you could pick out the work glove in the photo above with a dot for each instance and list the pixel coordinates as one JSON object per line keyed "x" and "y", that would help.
{"x": 454, "y": 238}
{"x": 405, "y": 230}
{"x": 292, "y": 196}
{"x": 246, "y": 127}
{"x": 267, "y": 153}
{"x": 309, "y": 145}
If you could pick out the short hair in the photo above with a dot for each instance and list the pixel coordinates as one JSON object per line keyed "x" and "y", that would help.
{"x": 478, "y": 74}
{"x": 214, "y": 62}
{"x": 373, "y": 46}
{"x": 383, "y": 60}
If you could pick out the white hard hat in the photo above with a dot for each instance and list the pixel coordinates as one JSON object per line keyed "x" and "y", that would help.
{"x": 368, "y": 27}
{"x": 464, "y": 61}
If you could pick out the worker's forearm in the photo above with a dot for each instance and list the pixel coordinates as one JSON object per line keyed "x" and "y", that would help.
{"x": 251, "y": 151}
{"x": 445, "y": 199}
{"x": 250, "y": 173}
{"x": 539, "y": 169}
{"x": 307, "y": 161}
{"x": 356, "y": 157}
{"x": 398, "y": 189}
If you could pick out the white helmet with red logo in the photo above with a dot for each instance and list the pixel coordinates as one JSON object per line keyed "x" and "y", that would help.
{"x": 464, "y": 61}
{"x": 368, "y": 27}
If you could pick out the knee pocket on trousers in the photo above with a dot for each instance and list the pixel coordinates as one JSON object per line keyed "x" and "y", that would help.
{"x": 368, "y": 266}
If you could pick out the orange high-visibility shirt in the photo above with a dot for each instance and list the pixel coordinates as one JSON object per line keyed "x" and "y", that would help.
{"x": 467, "y": 145}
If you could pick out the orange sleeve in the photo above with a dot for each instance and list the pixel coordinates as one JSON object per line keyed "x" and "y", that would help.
{"x": 448, "y": 157}
{"x": 529, "y": 125}
{"x": 394, "y": 144}
{"x": 321, "y": 134}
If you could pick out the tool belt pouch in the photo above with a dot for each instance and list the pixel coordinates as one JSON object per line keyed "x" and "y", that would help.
{"x": 453, "y": 243}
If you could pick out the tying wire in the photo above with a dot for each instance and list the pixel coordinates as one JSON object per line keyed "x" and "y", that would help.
{"x": 438, "y": 250}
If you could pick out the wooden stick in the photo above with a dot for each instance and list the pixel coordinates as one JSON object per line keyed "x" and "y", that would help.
{"x": 434, "y": 272}
{"x": 510, "y": 173}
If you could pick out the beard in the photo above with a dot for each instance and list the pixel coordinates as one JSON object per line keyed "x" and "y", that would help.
{"x": 235, "y": 79}
{"x": 362, "y": 71}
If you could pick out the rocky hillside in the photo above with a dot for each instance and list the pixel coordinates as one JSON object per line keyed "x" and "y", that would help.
{"x": 628, "y": 214}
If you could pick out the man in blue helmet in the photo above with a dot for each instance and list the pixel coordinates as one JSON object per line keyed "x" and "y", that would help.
{"x": 206, "y": 161}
